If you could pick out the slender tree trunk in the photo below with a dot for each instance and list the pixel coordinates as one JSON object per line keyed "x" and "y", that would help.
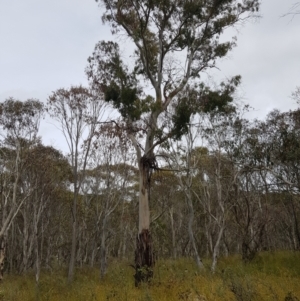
{"x": 80, "y": 247}
{"x": 48, "y": 253}
{"x": 216, "y": 249}
{"x": 2, "y": 254}
{"x": 38, "y": 208}
{"x": 124, "y": 242}
{"x": 12, "y": 253}
{"x": 25, "y": 241}
{"x": 74, "y": 238}
{"x": 92, "y": 257}
{"x": 37, "y": 255}
{"x": 171, "y": 213}
{"x": 220, "y": 216}
{"x": 123, "y": 229}
{"x": 103, "y": 263}
{"x": 191, "y": 231}
{"x": 296, "y": 226}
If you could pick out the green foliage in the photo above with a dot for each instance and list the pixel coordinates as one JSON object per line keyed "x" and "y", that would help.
{"x": 21, "y": 119}
{"x": 159, "y": 31}
{"x": 219, "y": 99}
{"x": 181, "y": 118}
{"x": 202, "y": 98}
{"x": 125, "y": 99}
{"x": 275, "y": 276}
{"x": 109, "y": 75}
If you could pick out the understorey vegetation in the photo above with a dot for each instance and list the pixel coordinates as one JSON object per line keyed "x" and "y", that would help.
{"x": 271, "y": 276}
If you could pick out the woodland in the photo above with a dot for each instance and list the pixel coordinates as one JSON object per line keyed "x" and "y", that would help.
{"x": 175, "y": 172}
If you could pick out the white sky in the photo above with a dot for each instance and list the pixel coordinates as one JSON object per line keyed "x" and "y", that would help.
{"x": 44, "y": 45}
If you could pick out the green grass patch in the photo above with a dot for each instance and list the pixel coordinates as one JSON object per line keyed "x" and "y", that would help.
{"x": 271, "y": 276}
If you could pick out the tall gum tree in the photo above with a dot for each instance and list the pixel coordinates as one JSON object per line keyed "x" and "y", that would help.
{"x": 78, "y": 113}
{"x": 174, "y": 42}
{"x": 183, "y": 159}
{"x": 19, "y": 125}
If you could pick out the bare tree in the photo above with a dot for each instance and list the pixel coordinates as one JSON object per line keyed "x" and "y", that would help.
{"x": 293, "y": 11}
{"x": 296, "y": 93}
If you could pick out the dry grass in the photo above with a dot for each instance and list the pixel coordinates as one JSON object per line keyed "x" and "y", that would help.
{"x": 272, "y": 276}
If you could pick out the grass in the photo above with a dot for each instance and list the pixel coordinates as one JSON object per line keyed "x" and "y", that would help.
{"x": 271, "y": 276}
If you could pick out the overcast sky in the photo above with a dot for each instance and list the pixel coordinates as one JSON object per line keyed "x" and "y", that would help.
{"x": 44, "y": 45}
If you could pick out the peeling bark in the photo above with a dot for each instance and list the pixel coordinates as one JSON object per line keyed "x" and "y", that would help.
{"x": 144, "y": 257}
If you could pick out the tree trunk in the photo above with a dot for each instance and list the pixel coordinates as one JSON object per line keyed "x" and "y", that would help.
{"x": 25, "y": 242}
{"x": 123, "y": 229}
{"x": 2, "y": 254}
{"x": 296, "y": 227}
{"x": 103, "y": 263}
{"x": 144, "y": 257}
{"x": 74, "y": 238}
{"x": 216, "y": 249}
{"x": 37, "y": 255}
{"x": 219, "y": 216}
{"x": 171, "y": 214}
{"x": 191, "y": 232}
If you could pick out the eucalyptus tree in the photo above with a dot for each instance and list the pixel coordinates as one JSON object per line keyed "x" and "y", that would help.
{"x": 283, "y": 156}
{"x": 105, "y": 187}
{"x": 78, "y": 113}
{"x": 250, "y": 194}
{"x": 184, "y": 160}
{"x": 48, "y": 171}
{"x": 217, "y": 173}
{"x": 173, "y": 43}
{"x": 283, "y": 162}
{"x": 19, "y": 122}
{"x": 266, "y": 158}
